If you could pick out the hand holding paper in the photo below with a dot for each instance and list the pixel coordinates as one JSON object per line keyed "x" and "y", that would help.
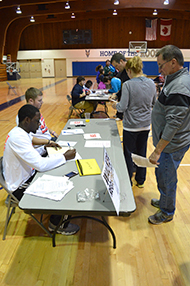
{"x": 141, "y": 161}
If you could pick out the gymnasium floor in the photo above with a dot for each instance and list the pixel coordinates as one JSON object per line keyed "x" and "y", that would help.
{"x": 145, "y": 254}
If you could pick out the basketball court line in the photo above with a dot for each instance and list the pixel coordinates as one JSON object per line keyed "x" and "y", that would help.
{"x": 22, "y": 97}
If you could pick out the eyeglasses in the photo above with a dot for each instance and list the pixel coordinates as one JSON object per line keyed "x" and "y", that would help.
{"x": 161, "y": 66}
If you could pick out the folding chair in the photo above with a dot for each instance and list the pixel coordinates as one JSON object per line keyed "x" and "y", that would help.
{"x": 72, "y": 108}
{"x": 11, "y": 88}
{"x": 11, "y": 200}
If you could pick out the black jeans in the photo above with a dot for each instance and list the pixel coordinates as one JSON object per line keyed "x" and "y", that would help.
{"x": 135, "y": 142}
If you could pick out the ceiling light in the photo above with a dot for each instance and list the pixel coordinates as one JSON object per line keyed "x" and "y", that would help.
{"x": 155, "y": 12}
{"x": 32, "y": 19}
{"x": 73, "y": 15}
{"x": 114, "y": 12}
{"x": 166, "y": 2}
{"x": 116, "y": 2}
{"x": 18, "y": 10}
{"x": 67, "y": 6}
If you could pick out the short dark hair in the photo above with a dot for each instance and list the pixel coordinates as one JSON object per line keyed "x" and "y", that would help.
{"x": 32, "y": 92}
{"x": 117, "y": 57}
{"x": 88, "y": 84}
{"x": 27, "y": 110}
{"x": 169, "y": 52}
{"x": 80, "y": 78}
{"x": 105, "y": 79}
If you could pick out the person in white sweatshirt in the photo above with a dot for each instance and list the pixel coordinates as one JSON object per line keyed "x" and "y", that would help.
{"x": 21, "y": 160}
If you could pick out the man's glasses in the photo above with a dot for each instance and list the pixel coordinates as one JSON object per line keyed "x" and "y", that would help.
{"x": 161, "y": 66}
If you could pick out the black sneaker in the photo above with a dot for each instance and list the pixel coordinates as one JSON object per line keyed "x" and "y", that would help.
{"x": 69, "y": 230}
{"x": 159, "y": 217}
{"x": 155, "y": 203}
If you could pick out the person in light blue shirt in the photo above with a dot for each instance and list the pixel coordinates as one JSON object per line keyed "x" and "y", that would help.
{"x": 115, "y": 84}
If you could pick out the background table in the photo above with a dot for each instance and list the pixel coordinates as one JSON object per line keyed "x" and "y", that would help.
{"x": 69, "y": 205}
{"x": 100, "y": 97}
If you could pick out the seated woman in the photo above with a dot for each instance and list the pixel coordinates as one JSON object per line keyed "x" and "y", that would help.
{"x": 102, "y": 84}
{"x": 78, "y": 96}
{"x": 138, "y": 97}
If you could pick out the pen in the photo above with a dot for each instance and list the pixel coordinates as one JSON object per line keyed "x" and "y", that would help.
{"x": 80, "y": 167}
{"x": 68, "y": 145}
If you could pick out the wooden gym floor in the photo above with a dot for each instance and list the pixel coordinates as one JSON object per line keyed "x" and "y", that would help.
{"x": 146, "y": 255}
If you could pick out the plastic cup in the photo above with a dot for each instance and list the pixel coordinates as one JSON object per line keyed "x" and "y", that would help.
{"x": 87, "y": 117}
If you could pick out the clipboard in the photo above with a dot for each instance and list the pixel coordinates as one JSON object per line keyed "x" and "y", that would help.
{"x": 88, "y": 167}
{"x": 52, "y": 150}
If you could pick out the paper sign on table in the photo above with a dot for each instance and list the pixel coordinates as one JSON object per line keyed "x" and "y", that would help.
{"x": 92, "y": 135}
{"x": 111, "y": 181}
{"x": 97, "y": 143}
{"x": 77, "y": 122}
{"x": 72, "y": 131}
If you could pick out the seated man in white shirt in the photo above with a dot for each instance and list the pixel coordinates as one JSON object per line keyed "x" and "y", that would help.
{"x": 21, "y": 160}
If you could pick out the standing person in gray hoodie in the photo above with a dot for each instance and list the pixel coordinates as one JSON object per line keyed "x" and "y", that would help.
{"x": 137, "y": 99}
{"x": 170, "y": 129}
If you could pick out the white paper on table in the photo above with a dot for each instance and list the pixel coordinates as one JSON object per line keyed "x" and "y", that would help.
{"x": 142, "y": 161}
{"x": 92, "y": 135}
{"x": 98, "y": 143}
{"x": 51, "y": 187}
{"x": 67, "y": 143}
{"x": 77, "y": 122}
{"x": 72, "y": 131}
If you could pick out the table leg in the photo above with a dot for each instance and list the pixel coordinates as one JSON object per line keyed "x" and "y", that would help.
{"x": 41, "y": 225}
{"x": 103, "y": 221}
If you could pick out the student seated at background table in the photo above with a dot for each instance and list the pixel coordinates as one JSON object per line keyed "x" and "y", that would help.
{"x": 102, "y": 84}
{"x": 78, "y": 97}
{"x": 21, "y": 160}
{"x": 88, "y": 86}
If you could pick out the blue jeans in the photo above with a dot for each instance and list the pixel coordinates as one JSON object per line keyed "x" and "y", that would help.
{"x": 166, "y": 176}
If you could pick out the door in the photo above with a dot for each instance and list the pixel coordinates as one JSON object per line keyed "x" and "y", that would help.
{"x": 60, "y": 68}
{"x": 35, "y": 68}
{"x": 24, "y": 68}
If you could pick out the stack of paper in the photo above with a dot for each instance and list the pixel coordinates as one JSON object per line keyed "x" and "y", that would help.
{"x": 51, "y": 187}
